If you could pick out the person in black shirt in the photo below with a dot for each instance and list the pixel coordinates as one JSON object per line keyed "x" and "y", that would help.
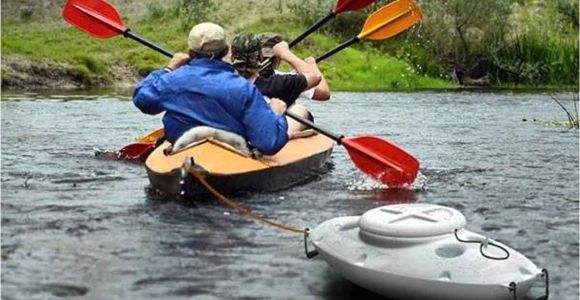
{"x": 246, "y": 57}
{"x": 268, "y": 40}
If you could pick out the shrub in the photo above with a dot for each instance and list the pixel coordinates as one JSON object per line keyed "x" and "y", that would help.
{"x": 194, "y": 11}
{"x": 155, "y": 10}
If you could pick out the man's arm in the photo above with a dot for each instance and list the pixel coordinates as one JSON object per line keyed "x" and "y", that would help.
{"x": 322, "y": 90}
{"x": 149, "y": 93}
{"x": 312, "y": 74}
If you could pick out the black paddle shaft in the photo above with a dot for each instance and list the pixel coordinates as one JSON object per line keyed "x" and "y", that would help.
{"x": 312, "y": 28}
{"x": 330, "y": 53}
{"x": 308, "y": 123}
{"x": 131, "y": 35}
{"x": 331, "y": 15}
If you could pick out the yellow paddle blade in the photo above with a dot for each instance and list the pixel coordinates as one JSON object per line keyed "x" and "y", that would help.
{"x": 390, "y": 20}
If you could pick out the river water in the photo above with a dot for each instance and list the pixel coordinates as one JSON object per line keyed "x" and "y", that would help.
{"x": 77, "y": 225}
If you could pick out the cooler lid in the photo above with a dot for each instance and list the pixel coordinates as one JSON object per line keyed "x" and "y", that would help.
{"x": 411, "y": 220}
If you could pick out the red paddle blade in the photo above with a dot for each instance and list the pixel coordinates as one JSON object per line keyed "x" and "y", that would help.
{"x": 136, "y": 151}
{"x": 142, "y": 147}
{"x": 382, "y": 160}
{"x": 351, "y": 5}
{"x": 97, "y": 17}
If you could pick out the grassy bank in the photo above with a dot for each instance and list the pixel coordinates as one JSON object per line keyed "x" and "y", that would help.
{"x": 94, "y": 62}
{"x": 519, "y": 44}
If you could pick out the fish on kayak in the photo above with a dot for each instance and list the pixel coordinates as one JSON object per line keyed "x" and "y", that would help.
{"x": 422, "y": 251}
{"x": 227, "y": 165}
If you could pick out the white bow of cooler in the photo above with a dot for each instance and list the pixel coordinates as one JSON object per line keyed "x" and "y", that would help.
{"x": 421, "y": 251}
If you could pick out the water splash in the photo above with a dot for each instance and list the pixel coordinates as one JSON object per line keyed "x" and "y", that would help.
{"x": 361, "y": 182}
{"x": 420, "y": 183}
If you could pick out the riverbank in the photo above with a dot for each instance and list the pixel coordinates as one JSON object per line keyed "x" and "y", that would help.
{"x": 36, "y": 57}
{"x": 41, "y": 51}
{"x": 47, "y": 53}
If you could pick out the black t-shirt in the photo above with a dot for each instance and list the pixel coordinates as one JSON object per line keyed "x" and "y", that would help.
{"x": 285, "y": 87}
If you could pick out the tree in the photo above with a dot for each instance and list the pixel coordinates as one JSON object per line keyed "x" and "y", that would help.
{"x": 458, "y": 33}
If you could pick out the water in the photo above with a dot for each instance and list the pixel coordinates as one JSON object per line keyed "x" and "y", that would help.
{"x": 76, "y": 225}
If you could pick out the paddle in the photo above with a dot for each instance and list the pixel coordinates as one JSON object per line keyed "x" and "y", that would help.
{"x": 384, "y": 23}
{"x": 377, "y": 157}
{"x": 101, "y": 19}
{"x": 341, "y": 6}
{"x": 142, "y": 147}
{"x": 374, "y": 156}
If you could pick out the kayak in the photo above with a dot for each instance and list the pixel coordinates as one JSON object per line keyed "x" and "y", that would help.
{"x": 230, "y": 169}
{"x": 422, "y": 251}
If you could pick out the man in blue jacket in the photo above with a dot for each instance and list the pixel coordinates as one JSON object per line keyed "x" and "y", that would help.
{"x": 198, "y": 89}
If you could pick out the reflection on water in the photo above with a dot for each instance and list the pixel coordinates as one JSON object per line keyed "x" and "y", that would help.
{"x": 76, "y": 225}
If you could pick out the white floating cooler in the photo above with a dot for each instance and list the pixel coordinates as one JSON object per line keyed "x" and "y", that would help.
{"x": 421, "y": 251}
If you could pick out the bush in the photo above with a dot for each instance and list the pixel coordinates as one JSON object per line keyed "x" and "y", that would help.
{"x": 194, "y": 11}
{"x": 155, "y": 10}
{"x": 26, "y": 13}
{"x": 534, "y": 58}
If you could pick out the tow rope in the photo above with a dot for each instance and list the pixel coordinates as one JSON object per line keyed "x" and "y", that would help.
{"x": 188, "y": 165}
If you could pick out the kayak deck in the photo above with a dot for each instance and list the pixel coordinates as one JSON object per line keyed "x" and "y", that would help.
{"x": 231, "y": 171}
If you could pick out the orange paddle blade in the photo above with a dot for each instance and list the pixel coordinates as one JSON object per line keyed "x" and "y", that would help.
{"x": 152, "y": 136}
{"x": 351, "y": 5}
{"x": 390, "y": 20}
{"x": 382, "y": 160}
{"x": 97, "y": 17}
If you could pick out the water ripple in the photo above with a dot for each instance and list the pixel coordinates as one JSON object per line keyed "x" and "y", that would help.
{"x": 88, "y": 224}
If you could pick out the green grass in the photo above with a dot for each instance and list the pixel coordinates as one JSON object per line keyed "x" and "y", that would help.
{"x": 359, "y": 68}
{"x": 543, "y": 56}
{"x": 89, "y": 57}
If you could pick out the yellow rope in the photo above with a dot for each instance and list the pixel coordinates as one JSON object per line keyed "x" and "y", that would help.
{"x": 241, "y": 209}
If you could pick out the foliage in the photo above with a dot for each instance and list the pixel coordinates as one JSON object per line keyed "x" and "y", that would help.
{"x": 536, "y": 58}
{"x": 194, "y": 11}
{"x": 476, "y": 42}
{"x": 569, "y": 9}
{"x": 26, "y": 13}
{"x": 506, "y": 42}
{"x": 457, "y": 34}
{"x": 156, "y": 11}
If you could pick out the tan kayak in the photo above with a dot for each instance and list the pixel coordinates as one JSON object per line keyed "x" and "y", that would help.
{"x": 231, "y": 171}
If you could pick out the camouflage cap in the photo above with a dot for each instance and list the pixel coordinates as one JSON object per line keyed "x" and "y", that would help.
{"x": 246, "y": 49}
{"x": 268, "y": 40}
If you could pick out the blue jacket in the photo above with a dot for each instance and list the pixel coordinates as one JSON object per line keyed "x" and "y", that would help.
{"x": 208, "y": 92}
